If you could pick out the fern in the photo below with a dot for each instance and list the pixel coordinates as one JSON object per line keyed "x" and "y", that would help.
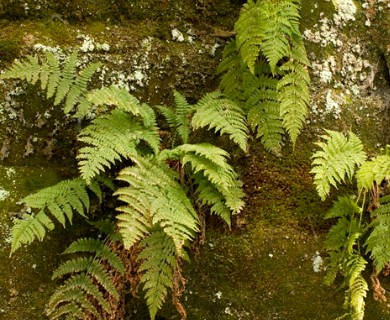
{"x": 62, "y": 84}
{"x": 179, "y": 118}
{"x": 379, "y": 240}
{"x": 59, "y": 200}
{"x": 337, "y": 160}
{"x": 214, "y": 111}
{"x": 372, "y": 171}
{"x": 158, "y": 261}
{"x": 89, "y": 286}
{"x": 268, "y": 35}
{"x": 110, "y": 138}
{"x": 154, "y": 198}
{"x": 294, "y": 97}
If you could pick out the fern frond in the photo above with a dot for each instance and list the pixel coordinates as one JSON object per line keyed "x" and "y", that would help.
{"x": 154, "y": 197}
{"x": 64, "y": 293}
{"x": 336, "y": 161}
{"x": 179, "y": 117}
{"x": 60, "y": 200}
{"x": 339, "y": 235}
{"x": 223, "y": 202}
{"x": 294, "y": 97}
{"x": 378, "y": 242}
{"x": 61, "y": 83}
{"x": 79, "y": 88}
{"x": 92, "y": 268}
{"x": 99, "y": 248}
{"x": 208, "y": 159}
{"x": 110, "y": 138}
{"x": 250, "y": 28}
{"x": 375, "y": 170}
{"x": 67, "y": 78}
{"x": 28, "y": 70}
{"x": 215, "y": 111}
{"x": 115, "y": 96}
{"x": 357, "y": 285}
{"x": 158, "y": 263}
{"x": 345, "y": 206}
{"x": 90, "y": 286}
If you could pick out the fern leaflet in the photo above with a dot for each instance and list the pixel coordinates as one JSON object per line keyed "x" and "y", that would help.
{"x": 372, "y": 171}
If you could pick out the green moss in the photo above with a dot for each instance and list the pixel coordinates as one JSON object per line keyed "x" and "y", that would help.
{"x": 9, "y": 50}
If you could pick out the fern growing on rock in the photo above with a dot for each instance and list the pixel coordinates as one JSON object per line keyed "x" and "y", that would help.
{"x": 265, "y": 69}
{"x": 89, "y": 289}
{"x": 362, "y": 219}
{"x": 63, "y": 83}
{"x": 59, "y": 202}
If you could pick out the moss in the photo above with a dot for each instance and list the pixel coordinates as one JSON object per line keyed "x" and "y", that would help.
{"x": 9, "y": 50}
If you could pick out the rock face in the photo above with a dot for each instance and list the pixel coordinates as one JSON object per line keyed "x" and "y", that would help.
{"x": 154, "y": 46}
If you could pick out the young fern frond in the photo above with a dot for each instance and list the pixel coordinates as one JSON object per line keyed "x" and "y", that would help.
{"x": 61, "y": 83}
{"x": 59, "y": 200}
{"x": 158, "y": 261}
{"x": 225, "y": 116}
{"x": 112, "y": 137}
{"x": 336, "y": 161}
{"x": 154, "y": 197}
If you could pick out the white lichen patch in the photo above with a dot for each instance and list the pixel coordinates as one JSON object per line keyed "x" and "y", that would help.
{"x": 4, "y": 194}
{"x": 317, "y": 262}
{"x": 346, "y": 11}
{"x": 177, "y": 35}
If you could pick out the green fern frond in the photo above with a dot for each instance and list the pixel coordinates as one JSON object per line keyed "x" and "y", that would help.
{"x": 89, "y": 286}
{"x": 222, "y": 202}
{"x": 92, "y": 268}
{"x": 336, "y": 161}
{"x": 112, "y": 137}
{"x": 79, "y": 88}
{"x": 67, "y": 78}
{"x": 61, "y": 83}
{"x": 99, "y": 248}
{"x": 357, "y": 286}
{"x": 215, "y": 111}
{"x": 158, "y": 263}
{"x": 375, "y": 170}
{"x": 250, "y": 33}
{"x": 294, "y": 97}
{"x": 345, "y": 206}
{"x": 266, "y": 27}
{"x": 79, "y": 281}
{"x": 179, "y": 118}
{"x": 154, "y": 197}
{"x": 378, "y": 242}
{"x": 115, "y": 96}
{"x": 339, "y": 235}
{"x": 59, "y": 200}
{"x": 208, "y": 159}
